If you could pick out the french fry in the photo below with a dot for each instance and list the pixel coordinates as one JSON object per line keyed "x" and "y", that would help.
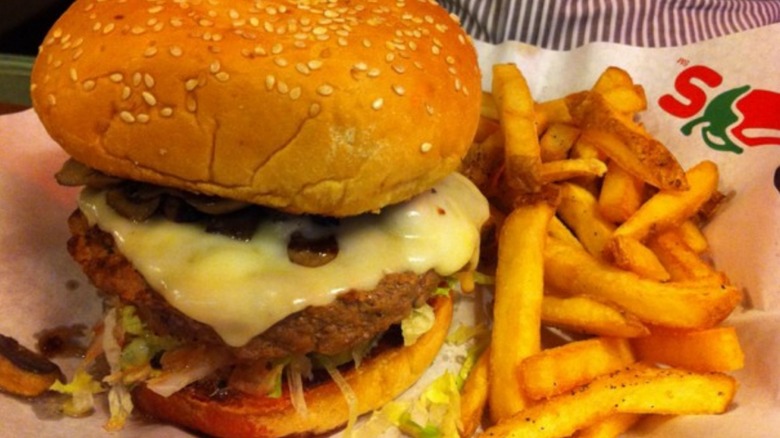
{"x": 626, "y": 143}
{"x": 489, "y": 110}
{"x": 676, "y": 305}
{"x": 610, "y": 427}
{"x": 483, "y": 161}
{"x": 517, "y": 305}
{"x": 715, "y": 349}
{"x": 474, "y": 396}
{"x": 618, "y": 89}
{"x": 621, "y": 194}
{"x": 636, "y": 389}
{"x": 587, "y": 315}
{"x": 692, "y": 235}
{"x": 558, "y": 370}
{"x": 631, "y": 255}
{"x": 669, "y": 208}
{"x": 556, "y": 141}
{"x": 485, "y": 128}
{"x": 680, "y": 260}
{"x": 521, "y": 144}
{"x": 551, "y": 112}
{"x": 561, "y": 170}
{"x": 558, "y": 229}
{"x": 579, "y": 211}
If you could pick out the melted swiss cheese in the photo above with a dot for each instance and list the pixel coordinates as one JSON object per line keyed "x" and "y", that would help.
{"x": 242, "y": 288}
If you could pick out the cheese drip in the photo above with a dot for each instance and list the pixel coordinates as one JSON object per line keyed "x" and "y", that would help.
{"x": 242, "y": 288}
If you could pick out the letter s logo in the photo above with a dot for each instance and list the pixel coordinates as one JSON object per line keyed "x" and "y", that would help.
{"x": 684, "y": 85}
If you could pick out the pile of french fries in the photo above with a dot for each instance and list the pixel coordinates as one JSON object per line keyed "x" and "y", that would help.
{"x": 599, "y": 240}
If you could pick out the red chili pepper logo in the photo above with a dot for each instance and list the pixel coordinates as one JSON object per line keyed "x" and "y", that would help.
{"x": 731, "y": 120}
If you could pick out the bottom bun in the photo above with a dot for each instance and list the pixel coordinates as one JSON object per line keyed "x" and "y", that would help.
{"x": 378, "y": 380}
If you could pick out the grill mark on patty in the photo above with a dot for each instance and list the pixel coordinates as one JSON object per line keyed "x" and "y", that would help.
{"x": 352, "y": 319}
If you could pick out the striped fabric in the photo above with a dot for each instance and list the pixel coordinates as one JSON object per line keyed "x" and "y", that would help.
{"x": 566, "y": 24}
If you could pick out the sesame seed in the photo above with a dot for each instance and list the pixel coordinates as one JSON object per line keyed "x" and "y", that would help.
{"x": 116, "y": 77}
{"x": 399, "y": 90}
{"x": 137, "y": 77}
{"x": 398, "y": 68}
{"x": 137, "y": 30}
{"x": 192, "y": 105}
{"x": 155, "y": 9}
{"x": 302, "y": 69}
{"x": 325, "y": 90}
{"x": 450, "y": 60}
{"x": 377, "y": 104}
{"x": 426, "y": 147}
{"x": 127, "y": 117}
{"x": 214, "y": 67}
{"x": 314, "y": 64}
{"x": 281, "y": 62}
{"x": 148, "y": 80}
{"x": 295, "y": 93}
{"x": 342, "y": 42}
{"x": 149, "y": 98}
{"x": 73, "y": 75}
{"x": 222, "y": 76}
{"x": 108, "y": 28}
{"x": 429, "y": 109}
{"x": 314, "y": 109}
{"x": 191, "y": 84}
{"x": 52, "y": 99}
{"x": 366, "y": 43}
{"x": 360, "y": 66}
{"x": 77, "y": 54}
{"x": 277, "y": 49}
{"x": 390, "y": 57}
{"x": 270, "y": 80}
{"x": 373, "y": 73}
{"x": 205, "y": 23}
{"x": 126, "y": 92}
{"x": 282, "y": 87}
{"x": 319, "y": 30}
{"x": 166, "y": 112}
{"x": 150, "y": 51}
{"x": 142, "y": 118}
{"x": 88, "y": 85}
{"x": 435, "y": 50}
{"x": 176, "y": 51}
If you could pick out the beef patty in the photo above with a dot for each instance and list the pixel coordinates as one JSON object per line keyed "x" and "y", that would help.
{"x": 354, "y": 318}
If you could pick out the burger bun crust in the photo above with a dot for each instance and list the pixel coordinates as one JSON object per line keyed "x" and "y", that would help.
{"x": 377, "y": 381}
{"x": 327, "y": 108}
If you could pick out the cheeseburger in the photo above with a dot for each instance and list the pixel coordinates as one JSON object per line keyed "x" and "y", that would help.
{"x": 269, "y": 194}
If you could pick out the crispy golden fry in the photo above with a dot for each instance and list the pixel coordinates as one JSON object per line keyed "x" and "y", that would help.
{"x": 550, "y": 112}
{"x": 584, "y": 148}
{"x": 557, "y": 140}
{"x": 621, "y": 194}
{"x": 483, "y": 161}
{"x": 631, "y": 255}
{"x": 680, "y": 260}
{"x": 24, "y": 372}
{"x": 522, "y": 163}
{"x": 561, "y": 170}
{"x": 579, "y": 211}
{"x": 610, "y": 427}
{"x": 485, "y": 128}
{"x": 692, "y": 235}
{"x": 676, "y": 305}
{"x": 474, "y": 396}
{"x": 560, "y": 231}
{"x": 517, "y": 305}
{"x": 618, "y": 89}
{"x": 626, "y": 143}
{"x": 558, "y": 370}
{"x": 489, "y": 108}
{"x": 669, "y": 208}
{"x": 588, "y": 315}
{"x": 715, "y": 349}
{"x": 637, "y": 389}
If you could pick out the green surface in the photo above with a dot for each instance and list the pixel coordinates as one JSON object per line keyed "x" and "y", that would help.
{"x": 15, "y": 79}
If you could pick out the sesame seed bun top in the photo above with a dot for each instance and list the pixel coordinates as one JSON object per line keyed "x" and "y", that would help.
{"x": 325, "y": 107}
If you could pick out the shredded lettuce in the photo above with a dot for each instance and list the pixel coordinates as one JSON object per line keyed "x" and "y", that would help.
{"x": 435, "y": 414}
{"x": 417, "y": 323}
{"x": 484, "y": 279}
{"x": 81, "y": 390}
